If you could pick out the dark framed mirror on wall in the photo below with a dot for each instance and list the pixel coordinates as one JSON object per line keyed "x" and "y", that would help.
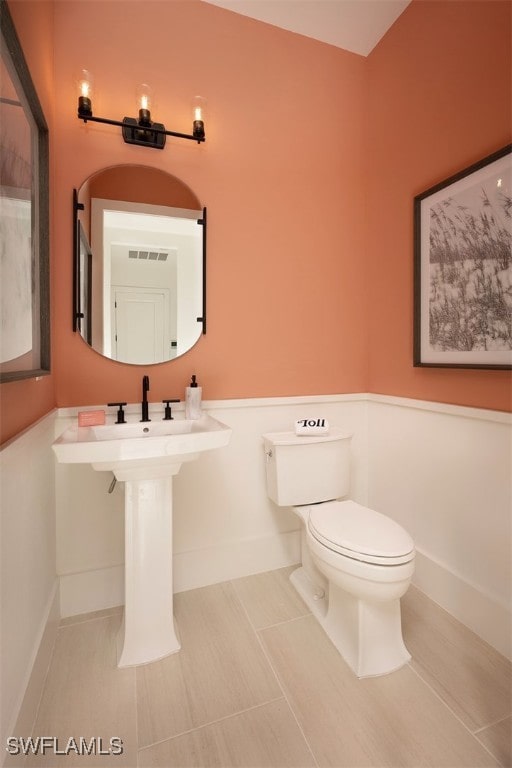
{"x": 24, "y": 216}
{"x": 139, "y": 265}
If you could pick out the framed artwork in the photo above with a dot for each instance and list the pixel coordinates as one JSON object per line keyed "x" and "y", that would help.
{"x": 463, "y": 268}
{"x": 24, "y": 216}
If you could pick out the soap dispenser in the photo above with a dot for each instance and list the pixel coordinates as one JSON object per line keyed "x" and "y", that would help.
{"x": 193, "y": 400}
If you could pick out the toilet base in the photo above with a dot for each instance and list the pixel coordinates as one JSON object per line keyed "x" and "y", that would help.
{"x": 367, "y": 634}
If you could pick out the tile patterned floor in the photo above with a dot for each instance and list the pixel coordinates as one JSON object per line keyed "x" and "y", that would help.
{"x": 258, "y": 684}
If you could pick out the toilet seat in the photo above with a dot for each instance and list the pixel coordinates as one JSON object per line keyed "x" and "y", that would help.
{"x": 360, "y": 533}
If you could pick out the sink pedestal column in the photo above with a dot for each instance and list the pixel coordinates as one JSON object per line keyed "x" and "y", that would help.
{"x": 147, "y": 632}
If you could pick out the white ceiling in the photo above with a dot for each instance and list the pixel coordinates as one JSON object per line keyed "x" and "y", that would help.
{"x": 355, "y": 25}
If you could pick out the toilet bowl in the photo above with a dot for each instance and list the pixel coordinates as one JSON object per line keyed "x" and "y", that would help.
{"x": 356, "y": 563}
{"x": 368, "y": 562}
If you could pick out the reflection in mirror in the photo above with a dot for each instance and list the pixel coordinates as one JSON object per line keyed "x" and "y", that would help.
{"x": 139, "y": 265}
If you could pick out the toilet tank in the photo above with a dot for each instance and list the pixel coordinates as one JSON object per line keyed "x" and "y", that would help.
{"x": 305, "y": 469}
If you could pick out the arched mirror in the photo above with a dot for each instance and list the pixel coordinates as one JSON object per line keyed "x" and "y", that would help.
{"x": 139, "y": 265}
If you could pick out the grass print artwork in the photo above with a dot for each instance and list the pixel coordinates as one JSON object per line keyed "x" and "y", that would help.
{"x": 463, "y": 268}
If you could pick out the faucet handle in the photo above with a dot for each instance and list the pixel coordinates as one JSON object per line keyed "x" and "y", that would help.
{"x": 167, "y": 414}
{"x": 120, "y": 412}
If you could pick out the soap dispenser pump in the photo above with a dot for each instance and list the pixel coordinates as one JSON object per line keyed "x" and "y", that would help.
{"x": 193, "y": 395}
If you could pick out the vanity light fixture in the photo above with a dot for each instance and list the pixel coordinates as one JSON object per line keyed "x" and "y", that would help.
{"x": 142, "y": 130}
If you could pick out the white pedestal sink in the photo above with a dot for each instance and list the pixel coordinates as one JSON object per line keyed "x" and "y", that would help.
{"x": 145, "y": 456}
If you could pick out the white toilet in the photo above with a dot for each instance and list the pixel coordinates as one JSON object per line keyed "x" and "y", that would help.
{"x": 356, "y": 563}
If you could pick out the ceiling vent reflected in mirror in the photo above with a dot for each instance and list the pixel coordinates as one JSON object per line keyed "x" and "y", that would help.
{"x": 151, "y": 255}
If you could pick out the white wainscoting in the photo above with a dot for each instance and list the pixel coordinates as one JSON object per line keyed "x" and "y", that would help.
{"x": 29, "y": 586}
{"x": 444, "y": 473}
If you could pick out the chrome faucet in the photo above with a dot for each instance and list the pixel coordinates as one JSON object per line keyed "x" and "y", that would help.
{"x": 145, "y": 388}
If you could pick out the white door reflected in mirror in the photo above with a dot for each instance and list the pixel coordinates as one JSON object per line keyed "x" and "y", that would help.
{"x": 140, "y": 325}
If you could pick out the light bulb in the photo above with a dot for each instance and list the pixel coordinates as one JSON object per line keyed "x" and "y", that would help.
{"x": 85, "y": 88}
{"x": 198, "y": 110}
{"x": 144, "y": 101}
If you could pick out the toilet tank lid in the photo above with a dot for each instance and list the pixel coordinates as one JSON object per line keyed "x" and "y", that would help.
{"x": 290, "y": 438}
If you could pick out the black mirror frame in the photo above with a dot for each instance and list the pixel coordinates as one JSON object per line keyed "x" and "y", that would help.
{"x": 40, "y": 201}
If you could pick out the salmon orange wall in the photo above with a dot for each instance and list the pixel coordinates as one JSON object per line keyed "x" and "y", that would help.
{"x": 280, "y": 173}
{"x": 23, "y": 402}
{"x": 312, "y": 158}
{"x": 439, "y": 100}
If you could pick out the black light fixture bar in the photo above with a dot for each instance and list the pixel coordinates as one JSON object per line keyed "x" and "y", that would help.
{"x": 133, "y": 124}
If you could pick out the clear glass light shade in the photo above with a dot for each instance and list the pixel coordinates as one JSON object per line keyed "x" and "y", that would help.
{"x": 144, "y": 96}
{"x": 198, "y": 108}
{"x": 85, "y": 83}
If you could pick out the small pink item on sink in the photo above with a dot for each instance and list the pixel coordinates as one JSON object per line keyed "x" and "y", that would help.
{"x": 91, "y": 418}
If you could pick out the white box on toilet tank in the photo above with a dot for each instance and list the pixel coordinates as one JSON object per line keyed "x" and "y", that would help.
{"x": 306, "y": 469}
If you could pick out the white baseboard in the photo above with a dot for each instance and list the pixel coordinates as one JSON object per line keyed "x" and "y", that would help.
{"x": 91, "y": 590}
{"x": 487, "y": 617}
{"x": 104, "y": 588}
{"x": 200, "y": 568}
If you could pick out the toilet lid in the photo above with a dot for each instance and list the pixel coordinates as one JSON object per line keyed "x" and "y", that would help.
{"x": 360, "y": 533}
